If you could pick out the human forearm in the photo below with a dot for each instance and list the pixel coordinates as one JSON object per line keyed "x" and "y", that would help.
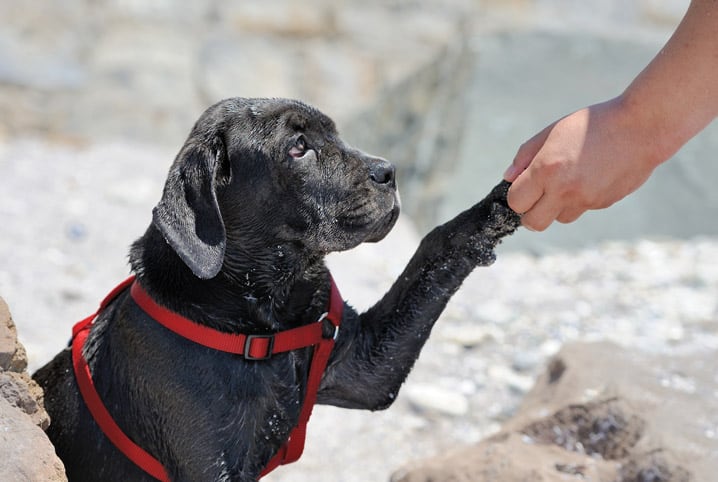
{"x": 676, "y": 95}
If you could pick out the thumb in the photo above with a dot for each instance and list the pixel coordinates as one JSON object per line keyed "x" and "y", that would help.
{"x": 526, "y": 153}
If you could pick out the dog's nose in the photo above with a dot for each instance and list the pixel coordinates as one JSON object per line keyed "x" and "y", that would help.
{"x": 382, "y": 171}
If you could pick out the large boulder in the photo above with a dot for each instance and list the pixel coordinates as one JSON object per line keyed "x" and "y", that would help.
{"x": 26, "y": 453}
{"x": 603, "y": 413}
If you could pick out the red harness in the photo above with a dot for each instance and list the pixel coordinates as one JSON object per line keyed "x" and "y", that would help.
{"x": 253, "y": 347}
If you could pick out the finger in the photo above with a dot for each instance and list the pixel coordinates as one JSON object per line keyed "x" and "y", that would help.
{"x": 570, "y": 215}
{"x": 524, "y": 192}
{"x": 525, "y": 154}
{"x": 542, "y": 214}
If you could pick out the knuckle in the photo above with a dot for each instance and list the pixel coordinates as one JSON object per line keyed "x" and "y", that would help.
{"x": 516, "y": 202}
{"x": 512, "y": 201}
{"x": 577, "y": 195}
{"x": 569, "y": 217}
{"x": 535, "y": 224}
{"x": 549, "y": 168}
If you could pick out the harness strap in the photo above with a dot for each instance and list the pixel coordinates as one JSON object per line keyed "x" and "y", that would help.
{"x": 253, "y": 347}
{"x": 294, "y": 446}
{"x": 93, "y": 401}
{"x": 103, "y": 418}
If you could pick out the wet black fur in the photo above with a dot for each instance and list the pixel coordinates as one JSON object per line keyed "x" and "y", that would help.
{"x": 237, "y": 243}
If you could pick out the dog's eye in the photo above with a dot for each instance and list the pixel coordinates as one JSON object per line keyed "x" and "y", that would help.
{"x": 299, "y": 148}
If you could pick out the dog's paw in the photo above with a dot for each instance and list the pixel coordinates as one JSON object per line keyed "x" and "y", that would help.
{"x": 497, "y": 221}
{"x": 502, "y": 220}
{"x": 476, "y": 232}
{"x": 499, "y": 192}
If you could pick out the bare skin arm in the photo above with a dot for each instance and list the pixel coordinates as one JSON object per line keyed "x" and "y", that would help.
{"x": 596, "y": 156}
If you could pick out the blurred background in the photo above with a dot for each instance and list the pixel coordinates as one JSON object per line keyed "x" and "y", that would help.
{"x": 447, "y": 89}
{"x": 96, "y": 97}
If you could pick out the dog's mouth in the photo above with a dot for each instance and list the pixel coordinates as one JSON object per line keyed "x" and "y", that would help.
{"x": 384, "y": 226}
{"x": 376, "y": 227}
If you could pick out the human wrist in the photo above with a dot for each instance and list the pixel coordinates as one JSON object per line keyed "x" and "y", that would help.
{"x": 650, "y": 130}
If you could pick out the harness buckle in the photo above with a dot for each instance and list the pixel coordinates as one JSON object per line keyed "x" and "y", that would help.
{"x": 248, "y": 347}
{"x": 325, "y": 316}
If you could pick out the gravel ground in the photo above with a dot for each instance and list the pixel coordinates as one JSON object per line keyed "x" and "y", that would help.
{"x": 68, "y": 216}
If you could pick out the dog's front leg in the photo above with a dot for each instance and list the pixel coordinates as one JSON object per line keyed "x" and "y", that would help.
{"x": 389, "y": 336}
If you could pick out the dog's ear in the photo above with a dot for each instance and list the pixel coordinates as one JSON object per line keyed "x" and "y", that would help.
{"x": 188, "y": 214}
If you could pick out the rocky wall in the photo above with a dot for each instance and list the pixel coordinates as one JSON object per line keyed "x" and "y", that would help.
{"x": 26, "y": 453}
{"x": 80, "y": 71}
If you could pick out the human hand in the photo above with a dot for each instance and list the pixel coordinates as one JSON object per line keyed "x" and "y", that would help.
{"x": 587, "y": 160}
{"x": 596, "y": 156}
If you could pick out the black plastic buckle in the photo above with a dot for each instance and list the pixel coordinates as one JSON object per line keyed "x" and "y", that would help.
{"x": 248, "y": 346}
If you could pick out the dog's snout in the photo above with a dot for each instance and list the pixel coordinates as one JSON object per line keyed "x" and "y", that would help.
{"x": 381, "y": 171}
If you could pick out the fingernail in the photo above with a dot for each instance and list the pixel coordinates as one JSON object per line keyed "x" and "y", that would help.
{"x": 510, "y": 173}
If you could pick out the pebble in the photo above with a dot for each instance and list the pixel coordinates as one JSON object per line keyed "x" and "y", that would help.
{"x": 469, "y": 336}
{"x": 525, "y": 361}
{"x": 505, "y": 375}
{"x": 429, "y": 397}
{"x": 76, "y": 231}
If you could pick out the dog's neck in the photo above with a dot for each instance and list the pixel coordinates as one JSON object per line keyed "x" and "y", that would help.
{"x": 259, "y": 288}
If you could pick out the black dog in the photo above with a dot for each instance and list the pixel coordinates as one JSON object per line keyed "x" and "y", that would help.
{"x": 259, "y": 193}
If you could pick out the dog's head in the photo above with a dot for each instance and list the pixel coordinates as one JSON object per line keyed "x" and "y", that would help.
{"x": 261, "y": 172}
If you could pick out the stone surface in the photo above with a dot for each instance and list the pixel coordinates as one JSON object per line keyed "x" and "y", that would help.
{"x": 20, "y": 391}
{"x": 431, "y": 398}
{"x": 602, "y": 413}
{"x": 8, "y": 338}
{"x": 507, "y": 457}
{"x": 80, "y": 71}
{"x": 145, "y": 70}
{"x": 26, "y": 453}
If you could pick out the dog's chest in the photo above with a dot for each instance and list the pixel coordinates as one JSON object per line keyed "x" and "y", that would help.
{"x": 250, "y": 407}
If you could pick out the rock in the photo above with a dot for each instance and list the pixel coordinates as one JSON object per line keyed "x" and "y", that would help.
{"x": 516, "y": 381}
{"x": 265, "y": 66}
{"x": 508, "y": 457}
{"x": 432, "y": 398}
{"x": 26, "y": 453}
{"x": 144, "y": 71}
{"x": 469, "y": 336}
{"x": 261, "y": 17}
{"x": 603, "y": 413}
{"x": 12, "y": 353}
{"x": 20, "y": 391}
{"x": 8, "y": 338}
